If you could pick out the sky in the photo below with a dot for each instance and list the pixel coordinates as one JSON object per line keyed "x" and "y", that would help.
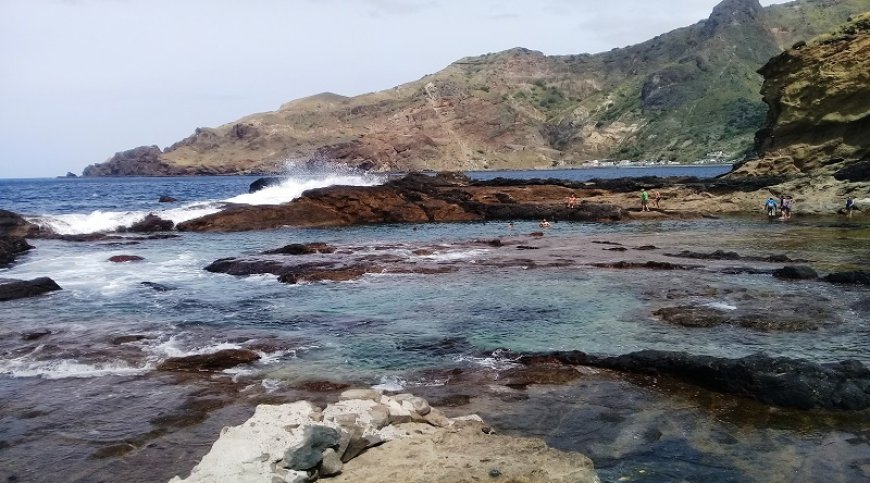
{"x": 83, "y": 79}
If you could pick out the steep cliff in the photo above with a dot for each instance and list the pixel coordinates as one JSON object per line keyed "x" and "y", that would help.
{"x": 819, "y": 98}
{"x": 679, "y": 96}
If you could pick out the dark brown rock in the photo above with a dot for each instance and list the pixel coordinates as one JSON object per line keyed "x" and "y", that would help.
{"x": 302, "y": 249}
{"x": 16, "y": 289}
{"x": 151, "y": 223}
{"x": 125, "y": 258}
{"x": 796, "y": 272}
{"x": 216, "y": 361}
{"x": 322, "y": 386}
{"x": 652, "y": 265}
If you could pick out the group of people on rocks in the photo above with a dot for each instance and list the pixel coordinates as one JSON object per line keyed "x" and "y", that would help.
{"x": 784, "y": 207}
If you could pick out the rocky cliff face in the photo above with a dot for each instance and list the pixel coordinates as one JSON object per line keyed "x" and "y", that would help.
{"x": 678, "y": 96}
{"x": 819, "y": 98}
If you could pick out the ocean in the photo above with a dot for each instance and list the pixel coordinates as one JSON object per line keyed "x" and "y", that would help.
{"x": 79, "y": 376}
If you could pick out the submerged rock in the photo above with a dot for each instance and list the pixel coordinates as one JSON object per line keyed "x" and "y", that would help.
{"x": 796, "y": 272}
{"x": 215, "y": 361}
{"x": 778, "y": 381}
{"x": 652, "y": 265}
{"x": 854, "y": 278}
{"x": 302, "y": 249}
{"x": 11, "y": 289}
{"x": 125, "y": 258}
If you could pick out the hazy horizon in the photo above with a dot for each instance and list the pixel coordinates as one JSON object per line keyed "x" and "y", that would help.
{"x": 84, "y": 79}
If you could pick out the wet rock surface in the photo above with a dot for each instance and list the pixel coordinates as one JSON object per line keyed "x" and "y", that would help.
{"x": 415, "y": 198}
{"x": 785, "y": 318}
{"x": 13, "y": 229}
{"x": 151, "y": 223}
{"x": 796, "y": 272}
{"x": 778, "y": 381}
{"x": 853, "y": 278}
{"x": 215, "y": 361}
{"x": 125, "y": 258}
{"x": 11, "y": 289}
{"x": 724, "y": 255}
{"x": 650, "y": 265}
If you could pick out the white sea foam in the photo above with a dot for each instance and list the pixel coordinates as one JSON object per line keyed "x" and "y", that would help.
{"x": 720, "y": 306}
{"x": 455, "y": 255}
{"x": 292, "y": 188}
{"x": 108, "y": 221}
{"x": 173, "y": 347}
{"x": 494, "y": 363}
{"x": 69, "y": 368}
{"x": 390, "y": 383}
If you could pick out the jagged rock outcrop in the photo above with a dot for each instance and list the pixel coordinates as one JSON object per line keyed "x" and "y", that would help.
{"x": 818, "y": 121}
{"x": 13, "y": 229}
{"x": 521, "y": 109}
{"x": 415, "y": 198}
{"x": 370, "y": 437}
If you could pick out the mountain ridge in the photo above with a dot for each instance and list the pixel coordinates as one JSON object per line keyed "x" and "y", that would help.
{"x": 680, "y": 96}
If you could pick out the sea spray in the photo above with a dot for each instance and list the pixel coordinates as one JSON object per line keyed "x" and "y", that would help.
{"x": 296, "y": 182}
{"x": 293, "y": 187}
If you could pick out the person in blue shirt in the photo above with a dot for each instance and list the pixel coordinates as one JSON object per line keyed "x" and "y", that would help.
{"x": 770, "y": 206}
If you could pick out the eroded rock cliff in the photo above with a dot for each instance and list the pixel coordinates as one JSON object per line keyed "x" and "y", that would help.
{"x": 819, "y": 118}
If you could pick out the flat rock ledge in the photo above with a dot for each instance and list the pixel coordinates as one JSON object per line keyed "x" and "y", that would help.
{"x": 371, "y": 437}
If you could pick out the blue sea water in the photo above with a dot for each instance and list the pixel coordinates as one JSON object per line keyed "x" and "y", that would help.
{"x": 395, "y": 331}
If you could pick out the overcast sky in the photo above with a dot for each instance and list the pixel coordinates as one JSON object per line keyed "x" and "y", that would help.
{"x": 82, "y": 79}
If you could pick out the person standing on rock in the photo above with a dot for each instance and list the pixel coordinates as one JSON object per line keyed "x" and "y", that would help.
{"x": 850, "y": 207}
{"x": 657, "y": 198}
{"x": 786, "y": 206}
{"x": 644, "y": 200}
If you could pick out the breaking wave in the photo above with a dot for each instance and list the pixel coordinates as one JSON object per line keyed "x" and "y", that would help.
{"x": 289, "y": 188}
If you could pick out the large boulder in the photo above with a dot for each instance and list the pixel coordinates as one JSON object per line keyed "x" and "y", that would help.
{"x": 151, "y": 223}
{"x": 16, "y": 289}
